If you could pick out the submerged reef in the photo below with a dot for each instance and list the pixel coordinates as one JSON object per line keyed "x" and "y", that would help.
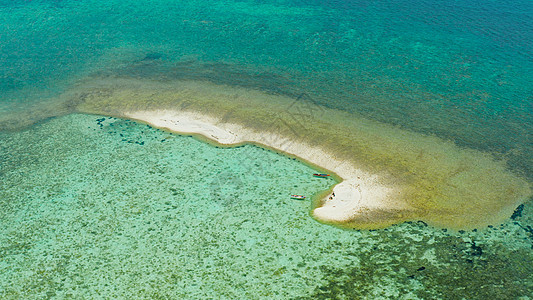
{"x": 88, "y": 200}
{"x": 442, "y": 184}
{"x": 454, "y": 267}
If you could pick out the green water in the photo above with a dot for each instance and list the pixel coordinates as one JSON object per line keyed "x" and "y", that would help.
{"x": 101, "y": 207}
{"x": 94, "y": 208}
{"x": 459, "y": 70}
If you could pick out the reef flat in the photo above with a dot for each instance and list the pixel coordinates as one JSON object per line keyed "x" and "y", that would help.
{"x": 360, "y": 195}
{"x": 101, "y": 207}
{"x": 437, "y": 182}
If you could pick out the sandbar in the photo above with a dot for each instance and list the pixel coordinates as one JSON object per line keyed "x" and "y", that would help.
{"x": 359, "y": 196}
{"x": 387, "y": 175}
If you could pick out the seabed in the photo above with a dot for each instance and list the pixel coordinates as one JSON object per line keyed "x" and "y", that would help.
{"x": 142, "y": 227}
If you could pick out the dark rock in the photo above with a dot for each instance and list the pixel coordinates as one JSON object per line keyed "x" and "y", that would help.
{"x": 422, "y": 223}
{"x": 518, "y": 212}
{"x": 476, "y": 250}
{"x": 153, "y": 56}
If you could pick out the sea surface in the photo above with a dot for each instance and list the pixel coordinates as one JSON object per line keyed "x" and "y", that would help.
{"x": 99, "y": 207}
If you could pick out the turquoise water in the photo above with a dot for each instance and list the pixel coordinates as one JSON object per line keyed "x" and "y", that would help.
{"x": 96, "y": 207}
{"x": 461, "y": 70}
{"x": 112, "y": 208}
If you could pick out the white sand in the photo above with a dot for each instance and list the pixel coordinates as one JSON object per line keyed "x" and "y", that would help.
{"x": 359, "y": 196}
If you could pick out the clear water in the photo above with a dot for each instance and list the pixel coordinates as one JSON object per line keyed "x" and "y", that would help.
{"x": 85, "y": 213}
{"x": 100, "y": 207}
{"x": 458, "y": 69}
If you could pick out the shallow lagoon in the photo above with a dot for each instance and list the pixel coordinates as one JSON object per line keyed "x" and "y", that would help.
{"x": 161, "y": 218}
{"x": 172, "y": 227}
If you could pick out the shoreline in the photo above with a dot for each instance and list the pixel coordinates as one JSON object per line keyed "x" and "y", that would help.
{"x": 403, "y": 175}
{"x": 359, "y": 196}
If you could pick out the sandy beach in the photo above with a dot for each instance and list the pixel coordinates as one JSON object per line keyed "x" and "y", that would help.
{"x": 359, "y": 196}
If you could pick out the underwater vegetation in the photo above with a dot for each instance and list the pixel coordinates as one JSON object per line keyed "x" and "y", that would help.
{"x": 434, "y": 97}
{"x": 144, "y": 224}
{"x": 406, "y": 273}
{"x": 445, "y": 185}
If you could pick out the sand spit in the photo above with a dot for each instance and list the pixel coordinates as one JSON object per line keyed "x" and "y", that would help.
{"x": 389, "y": 175}
{"x": 359, "y": 196}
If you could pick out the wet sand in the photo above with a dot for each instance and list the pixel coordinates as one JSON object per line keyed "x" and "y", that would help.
{"x": 359, "y": 196}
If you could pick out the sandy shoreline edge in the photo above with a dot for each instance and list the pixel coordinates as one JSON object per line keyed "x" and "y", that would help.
{"x": 360, "y": 196}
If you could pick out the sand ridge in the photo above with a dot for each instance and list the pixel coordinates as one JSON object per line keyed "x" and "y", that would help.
{"x": 403, "y": 175}
{"x": 359, "y": 196}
